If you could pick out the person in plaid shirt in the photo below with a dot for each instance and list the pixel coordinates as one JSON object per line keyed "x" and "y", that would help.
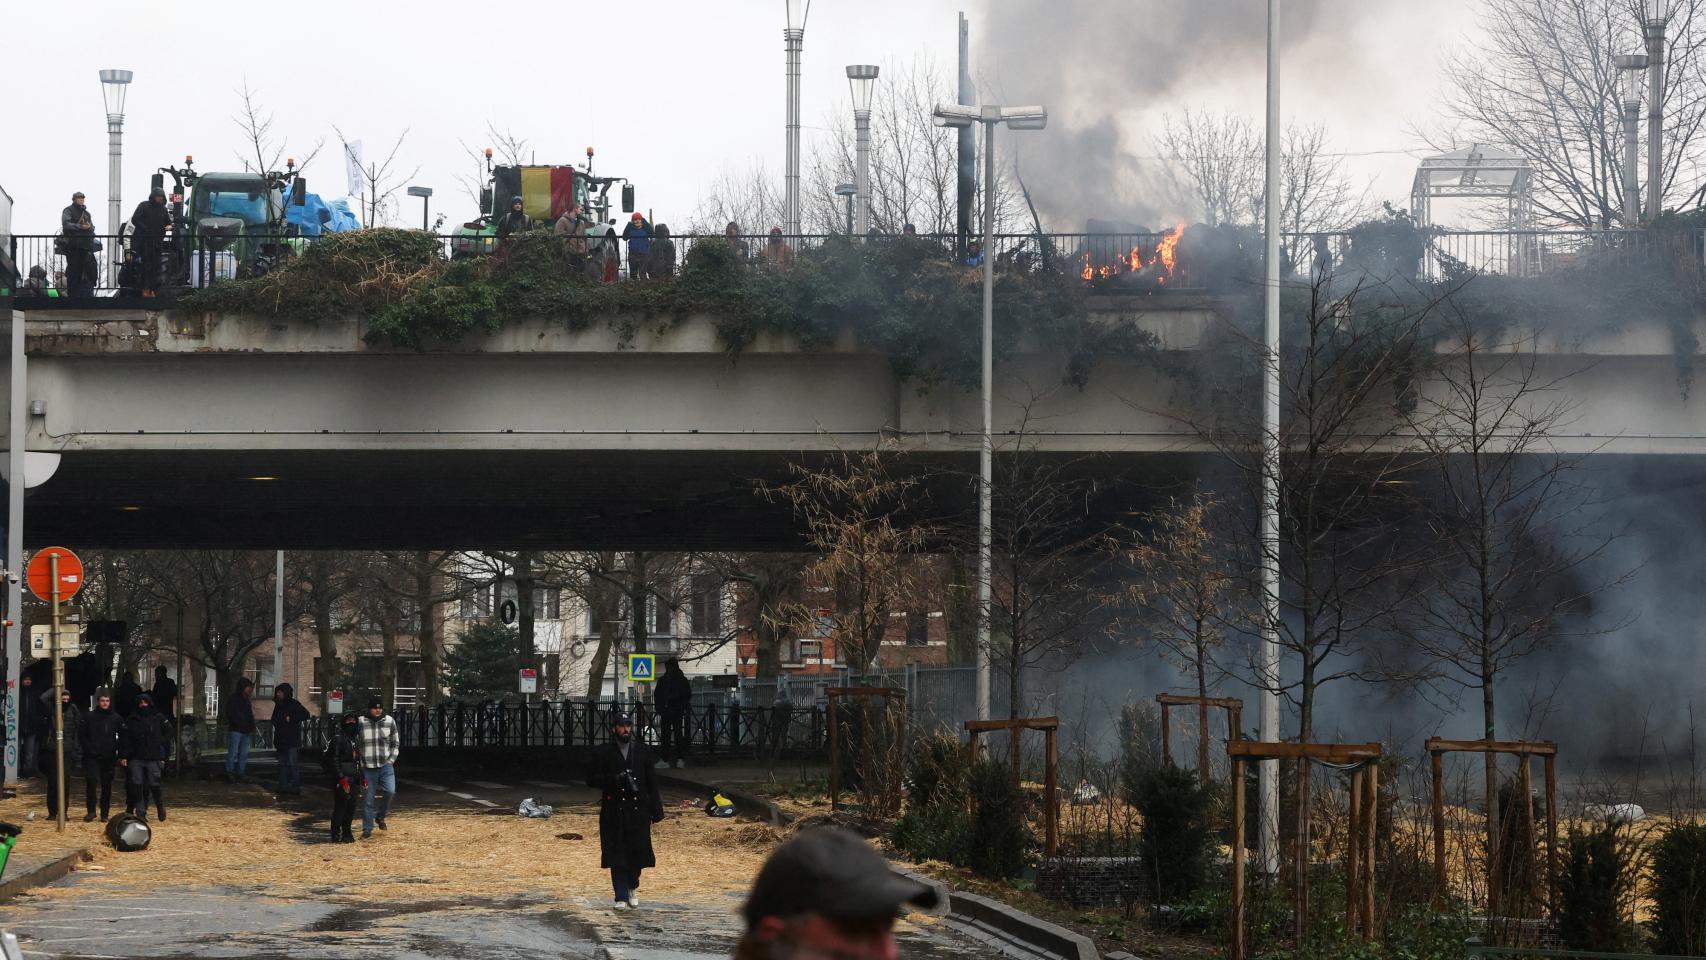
{"x": 380, "y": 744}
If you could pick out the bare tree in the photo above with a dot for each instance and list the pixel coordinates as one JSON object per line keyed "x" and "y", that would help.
{"x": 1513, "y": 529}
{"x": 263, "y": 152}
{"x": 381, "y": 179}
{"x": 1184, "y": 593}
{"x": 1215, "y": 159}
{"x": 1543, "y": 81}
{"x": 227, "y": 596}
{"x": 506, "y": 148}
{"x": 867, "y": 551}
{"x": 749, "y": 198}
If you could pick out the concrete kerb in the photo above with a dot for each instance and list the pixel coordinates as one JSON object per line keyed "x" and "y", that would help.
{"x": 1003, "y": 926}
{"x": 56, "y": 869}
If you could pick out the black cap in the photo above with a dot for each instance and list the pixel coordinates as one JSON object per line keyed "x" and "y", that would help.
{"x": 833, "y": 872}
{"x": 375, "y": 702}
{"x": 619, "y": 717}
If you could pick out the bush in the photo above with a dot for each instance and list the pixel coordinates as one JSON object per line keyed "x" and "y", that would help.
{"x": 1679, "y": 891}
{"x": 937, "y": 821}
{"x": 1000, "y": 841}
{"x": 1176, "y": 836}
{"x": 1591, "y": 891}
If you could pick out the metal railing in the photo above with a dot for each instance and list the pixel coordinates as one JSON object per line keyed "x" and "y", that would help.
{"x": 1474, "y": 948}
{"x": 1109, "y": 262}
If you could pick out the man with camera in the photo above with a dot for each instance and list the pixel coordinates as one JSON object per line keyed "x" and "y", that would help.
{"x": 629, "y": 804}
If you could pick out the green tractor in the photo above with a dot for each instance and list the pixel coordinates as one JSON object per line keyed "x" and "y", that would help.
{"x": 546, "y": 193}
{"x": 227, "y": 225}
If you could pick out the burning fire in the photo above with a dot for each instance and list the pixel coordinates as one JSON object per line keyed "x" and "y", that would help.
{"x": 1163, "y": 262}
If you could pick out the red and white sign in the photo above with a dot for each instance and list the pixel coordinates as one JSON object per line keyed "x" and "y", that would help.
{"x": 40, "y": 573}
{"x": 529, "y": 680}
{"x": 334, "y": 701}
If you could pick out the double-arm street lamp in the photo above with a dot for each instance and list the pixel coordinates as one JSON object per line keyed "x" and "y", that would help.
{"x": 1019, "y": 118}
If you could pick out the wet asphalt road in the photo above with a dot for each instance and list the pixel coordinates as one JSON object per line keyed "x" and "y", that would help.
{"x": 168, "y": 921}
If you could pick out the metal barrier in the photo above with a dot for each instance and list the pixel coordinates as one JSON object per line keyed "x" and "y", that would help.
{"x": 1474, "y": 948}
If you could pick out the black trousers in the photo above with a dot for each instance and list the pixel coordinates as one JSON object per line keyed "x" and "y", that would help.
{"x": 343, "y": 812}
{"x": 79, "y": 272}
{"x": 674, "y": 735}
{"x": 99, "y": 769}
{"x": 149, "y": 251}
{"x": 71, "y": 767}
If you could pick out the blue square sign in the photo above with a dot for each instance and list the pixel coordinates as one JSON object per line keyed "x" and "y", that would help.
{"x": 642, "y": 667}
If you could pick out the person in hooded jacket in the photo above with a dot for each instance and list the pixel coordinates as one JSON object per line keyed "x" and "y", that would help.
{"x": 663, "y": 252}
{"x": 288, "y": 714}
{"x": 515, "y": 221}
{"x": 73, "y": 720}
{"x": 674, "y": 700}
{"x": 342, "y": 760}
{"x": 142, "y": 751}
{"x": 98, "y": 738}
{"x": 149, "y": 241}
{"x": 629, "y": 804}
{"x": 240, "y": 714}
{"x": 124, "y": 698}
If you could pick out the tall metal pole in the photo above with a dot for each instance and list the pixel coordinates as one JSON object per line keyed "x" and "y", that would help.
{"x": 967, "y": 179}
{"x": 115, "y": 179}
{"x": 793, "y": 39}
{"x": 58, "y": 695}
{"x": 986, "y": 449}
{"x": 862, "y": 127}
{"x": 1655, "y": 29}
{"x": 1269, "y": 667}
{"x": 1631, "y": 163}
{"x": 15, "y": 546}
{"x": 278, "y": 621}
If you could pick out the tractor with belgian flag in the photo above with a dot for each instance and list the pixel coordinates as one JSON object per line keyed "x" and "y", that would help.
{"x": 546, "y": 193}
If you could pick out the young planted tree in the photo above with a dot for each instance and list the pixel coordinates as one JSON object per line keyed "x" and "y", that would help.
{"x": 1184, "y": 592}
{"x": 380, "y": 179}
{"x": 866, "y": 550}
{"x": 483, "y": 663}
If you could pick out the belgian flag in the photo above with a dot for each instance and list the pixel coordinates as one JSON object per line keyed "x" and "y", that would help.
{"x": 545, "y": 192}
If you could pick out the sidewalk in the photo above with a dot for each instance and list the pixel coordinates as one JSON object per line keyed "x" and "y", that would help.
{"x": 43, "y": 854}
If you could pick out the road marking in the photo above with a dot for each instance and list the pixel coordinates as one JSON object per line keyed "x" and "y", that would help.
{"x": 487, "y": 785}
{"x": 483, "y": 803}
{"x": 547, "y": 784}
{"x": 425, "y": 786}
{"x": 462, "y": 796}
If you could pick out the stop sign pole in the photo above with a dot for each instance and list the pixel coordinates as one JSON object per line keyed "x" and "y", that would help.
{"x": 50, "y": 573}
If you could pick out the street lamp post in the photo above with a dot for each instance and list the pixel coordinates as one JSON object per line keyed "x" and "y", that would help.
{"x": 1268, "y": 729}
{"x": 1019, "y": 118}
{"x": 793, "y": 41}
{"x": 849, "y": 191}
{"x": 1630, "y": 68}
{"x": 1657, "y": 15}
{"x": 425, "y": 193}
{"x": 862, "y": 78}
{"x": 114, "y": 85}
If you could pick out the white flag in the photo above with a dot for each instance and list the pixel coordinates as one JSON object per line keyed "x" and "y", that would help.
{"x": 352, "y": 162}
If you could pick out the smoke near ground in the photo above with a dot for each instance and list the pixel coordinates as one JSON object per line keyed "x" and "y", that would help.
{"x": 1107, "y": 69}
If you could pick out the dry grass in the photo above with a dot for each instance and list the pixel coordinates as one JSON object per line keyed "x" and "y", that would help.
{"x": 236, "y": 837}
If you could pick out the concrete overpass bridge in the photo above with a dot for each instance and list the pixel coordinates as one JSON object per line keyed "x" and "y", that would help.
{"x": 218, "y": 430}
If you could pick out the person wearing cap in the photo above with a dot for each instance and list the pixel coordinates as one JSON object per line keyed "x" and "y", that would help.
{"x": 149, "y": 241}
{"x": 143, "y": 750}
{"x": 77, "y": 235}
{"x": 628, "y": 805}
{"x": 638, "y": 233}
{"x": 380, "y": 745}
{"x": 827, "y": 893}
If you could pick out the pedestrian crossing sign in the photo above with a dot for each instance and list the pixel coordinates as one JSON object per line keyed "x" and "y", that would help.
{"x": 642, "y": 667}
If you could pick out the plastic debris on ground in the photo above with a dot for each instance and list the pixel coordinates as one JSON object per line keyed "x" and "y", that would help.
{"x": 533, "y": 808}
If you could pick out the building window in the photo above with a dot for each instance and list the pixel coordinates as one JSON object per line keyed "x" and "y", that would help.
{"x": 810, "y": 648}
{"x": 477, "y": 602}
{"x": 547, "y": 603}
{"x": 663, "y": 617}
{"x": 917, "y": 628}
{"x": 706, "y": 606}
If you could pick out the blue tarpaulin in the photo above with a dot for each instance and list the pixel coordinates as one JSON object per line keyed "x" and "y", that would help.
{"x": 317, "y": 216}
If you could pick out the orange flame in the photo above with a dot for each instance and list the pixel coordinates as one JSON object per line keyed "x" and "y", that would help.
{"x": 1087, "y": 273}
{"x": 1165, "y": 250}
{"x": 1160, "y": 266}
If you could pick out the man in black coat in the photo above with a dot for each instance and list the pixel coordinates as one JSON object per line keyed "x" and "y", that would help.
{"x": 98, "y": 738}
{"x": 124, "y": 698}
{"x": 72, "y": 720}
{"x": 628, "y": 806}
{"x": 143, "y": 750}
{"x": 149, "y": 240}
{"x": 77, "y": 237}
{"x": 288, "y": 715}
{"x": 674, "y": 698}
{"x": 342, "y": 760}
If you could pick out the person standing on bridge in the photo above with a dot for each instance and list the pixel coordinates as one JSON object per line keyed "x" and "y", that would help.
{"x": 638, "y": 233}
{"x": 827, "y": 893}
{"x": 149, "y": 240}
{"x": 240, "y": 715}
{"x": 77, "y": 238}
{"x": 628, "y": 805}
{"x": 515, "y": 221}
{"x": 380, "y": 745}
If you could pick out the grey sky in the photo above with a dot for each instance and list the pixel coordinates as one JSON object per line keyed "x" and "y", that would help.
{"x": 670, "y": 91}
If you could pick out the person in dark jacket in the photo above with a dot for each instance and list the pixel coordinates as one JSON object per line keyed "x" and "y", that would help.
{"x": 663, "y": 252}
{"x": 124, "y": 698}
{"x": 98, "y": 738}
{"x": 515, "y": 221}
{"x": 342, "y": 760}
{"x": 629, "y": 804}
{"x": 240, "y": 715}
{"x": 149, "y": 241}
{"x": 77, "y": 236}
{"x": 73, "y": 720}
{"x": 142, "y": 752}
{"x": 165, "y": 693}
{"x": 30, "y": 714}
{"x": 288, "y": 715}
{"x": 674, "y": 700}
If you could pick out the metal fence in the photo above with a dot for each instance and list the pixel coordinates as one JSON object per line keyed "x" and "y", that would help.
{"x": 1474, "y": 949}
